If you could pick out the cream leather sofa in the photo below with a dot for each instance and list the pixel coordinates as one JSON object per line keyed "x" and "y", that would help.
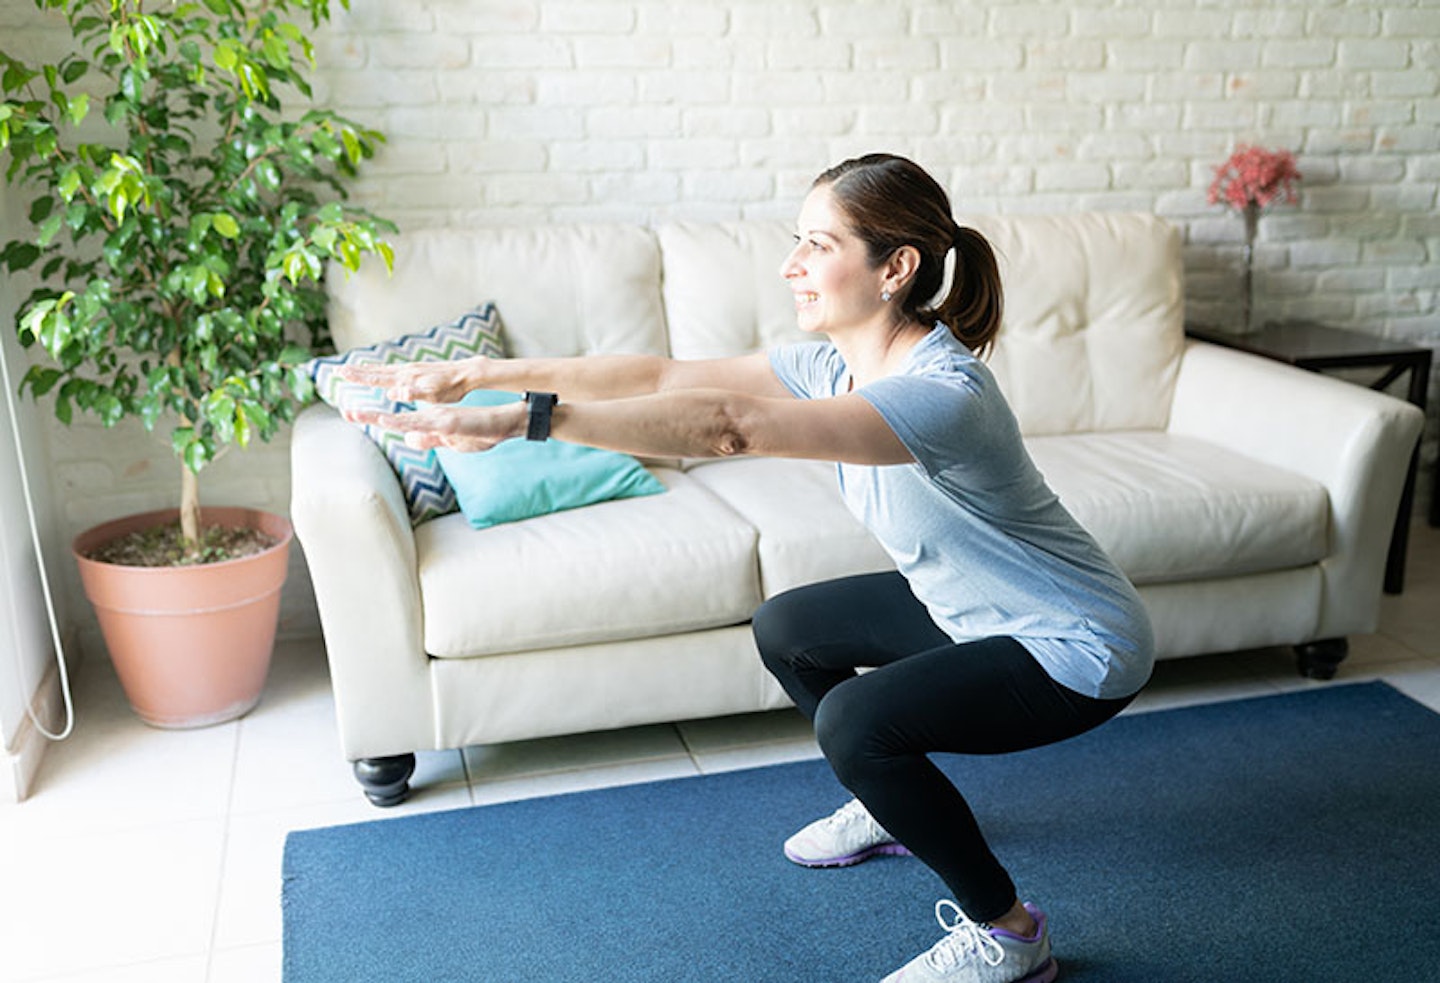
{"x": 1250, "y": 502}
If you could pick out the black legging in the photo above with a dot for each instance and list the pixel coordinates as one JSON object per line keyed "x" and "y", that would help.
{"x": 925, "y": 694}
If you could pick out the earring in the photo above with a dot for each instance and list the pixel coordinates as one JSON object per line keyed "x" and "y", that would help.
{"x": 885, "y": 296}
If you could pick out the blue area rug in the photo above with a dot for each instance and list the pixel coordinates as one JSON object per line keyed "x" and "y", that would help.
{"x": 1284, "y": 838}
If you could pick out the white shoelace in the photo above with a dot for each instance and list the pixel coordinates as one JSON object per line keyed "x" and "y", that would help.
{"x": 850, "y": 812}
{"x": 962, "y": 938}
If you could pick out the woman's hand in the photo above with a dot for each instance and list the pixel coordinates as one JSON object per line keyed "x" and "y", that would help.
{"x": 429, "y": 382}
{"x": 460, "y": 428}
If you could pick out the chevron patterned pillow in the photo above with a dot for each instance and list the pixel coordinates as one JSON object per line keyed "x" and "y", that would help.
{"x": 480, "y": 332}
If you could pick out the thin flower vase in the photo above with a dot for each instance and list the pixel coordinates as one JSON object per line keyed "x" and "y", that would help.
{"x": 1251, "y": 215}
{"x": 1250, "y": 181}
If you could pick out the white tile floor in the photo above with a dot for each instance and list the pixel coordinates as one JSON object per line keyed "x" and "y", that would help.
{"x": 154, "y": 856}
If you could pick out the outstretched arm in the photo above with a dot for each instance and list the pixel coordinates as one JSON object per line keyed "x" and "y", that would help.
{"x": 679, "y": 423}
{"x": 592, "y": 377}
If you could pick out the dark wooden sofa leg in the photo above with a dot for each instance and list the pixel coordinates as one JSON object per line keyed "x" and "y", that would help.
{"x": 386, "y": 780}
{"x": 1320, "y": 659}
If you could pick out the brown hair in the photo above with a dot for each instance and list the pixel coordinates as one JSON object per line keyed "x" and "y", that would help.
{"x": 892, "y": 202}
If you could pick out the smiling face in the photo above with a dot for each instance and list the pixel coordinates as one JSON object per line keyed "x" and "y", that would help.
{"x": 829, "y": 271}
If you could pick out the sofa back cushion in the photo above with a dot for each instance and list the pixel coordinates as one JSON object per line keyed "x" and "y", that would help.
{"x": 1094, "y": 319}
{"x": 723, "y": 291}
{"x": 1094, "y": 309}
{"x": 560, "y": 290}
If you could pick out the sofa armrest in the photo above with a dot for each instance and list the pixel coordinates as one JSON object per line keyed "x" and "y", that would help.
{"x": 350, "y": 519}
{"x": 1354, "y": 441}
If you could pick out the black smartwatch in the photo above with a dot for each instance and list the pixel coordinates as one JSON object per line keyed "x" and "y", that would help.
{"x": 539, "y": 405}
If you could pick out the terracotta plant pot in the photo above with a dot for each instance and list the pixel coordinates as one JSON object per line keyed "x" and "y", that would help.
{"x": 191, "y": 645}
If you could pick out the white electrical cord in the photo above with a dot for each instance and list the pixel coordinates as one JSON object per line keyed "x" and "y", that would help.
{"x": 44, "y": 578}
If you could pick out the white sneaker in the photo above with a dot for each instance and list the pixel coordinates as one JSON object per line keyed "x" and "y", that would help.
{"x": 973, "y": 953}
{"x": 847, "y": 836}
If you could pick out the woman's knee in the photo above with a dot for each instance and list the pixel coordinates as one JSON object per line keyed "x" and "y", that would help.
{"x": 849, "y": 732}
{"x": 780, "y": 629}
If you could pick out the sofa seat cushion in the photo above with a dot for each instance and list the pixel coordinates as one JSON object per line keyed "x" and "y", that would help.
{"x": 806, "y": 532}
{"x": 674, "y": 562}
{"x": 1168, "y": 507}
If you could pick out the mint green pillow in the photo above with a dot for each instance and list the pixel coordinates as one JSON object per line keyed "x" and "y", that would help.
{"x": 520, "y": 479}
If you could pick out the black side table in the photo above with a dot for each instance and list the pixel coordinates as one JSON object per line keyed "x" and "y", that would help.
{"x": 1317, "y": 347}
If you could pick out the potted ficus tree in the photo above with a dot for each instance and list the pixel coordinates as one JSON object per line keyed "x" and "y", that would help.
{"x": 181, "y": 220}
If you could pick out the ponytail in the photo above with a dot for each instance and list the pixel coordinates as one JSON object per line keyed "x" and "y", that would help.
{"x": 973, "y": 308}
{"x": 891, "y": 202}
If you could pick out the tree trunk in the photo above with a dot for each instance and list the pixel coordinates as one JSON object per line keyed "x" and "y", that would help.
{"x": 190, "y": 509}
{"x": 189, "y": 490}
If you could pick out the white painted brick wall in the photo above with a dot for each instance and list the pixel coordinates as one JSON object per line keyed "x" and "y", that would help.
{"x": 505, "y": 111}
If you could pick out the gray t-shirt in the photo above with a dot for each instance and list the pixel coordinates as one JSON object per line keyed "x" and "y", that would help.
{"x": 984, "y": 543}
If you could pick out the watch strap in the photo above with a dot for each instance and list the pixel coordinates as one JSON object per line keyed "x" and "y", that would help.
{"x": 539, "y": 406}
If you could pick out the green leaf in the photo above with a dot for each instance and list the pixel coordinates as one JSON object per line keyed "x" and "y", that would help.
{"x": 226, "y": 225}
{"x": 326, "y": 144}
{"x": 49, "y": 228}
{"x": 277, "y": 52}
{"x": 294, "y": 266}
{"x": 78, "y": 109}
{"x": 110, "y": 409}
{"x": 132, "y": 84}
{"x": 45, "y": 141}
{"x": 69, "y": 183}
{"x": 20, "y": 256}
{"x": 118, "y": 201}
{"x": 62, "y": 329}
{"x": 268, "y": 174}
{"x": 241, "y": 428}
{"x": 253, "y": 82}
{"x": 16, "y": 76}
{"x": 220, "y": 409}
{"x": 348, "y": 254}
{"x": 180, "y": 439}
{"x": 150, "y": 411}
{"x": 227, "y": 56}
{"x": 40, "y": 380}
{"x": 35, "y": 312}
{"x": 195, "y": 456}
{"x": 261, "y": 421}
{"x": 293, "y": 355}
{"x": 353, "y": 150}
{"x": 197, "y": 283}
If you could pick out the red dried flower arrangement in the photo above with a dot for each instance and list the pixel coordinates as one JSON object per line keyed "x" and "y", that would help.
{"x": 1255, "y": 177}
